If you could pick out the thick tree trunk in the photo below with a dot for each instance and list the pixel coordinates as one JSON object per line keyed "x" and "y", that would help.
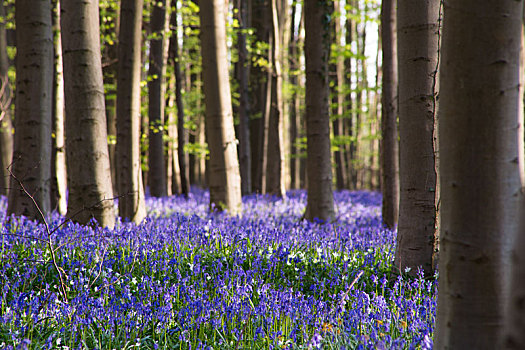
{"x": 390, "y": 144}
{"x": 417, "y": 55}
{"x": 481, "y": 148}
{"x": 318, "y": 164}
{"x": 275, "y": 151}
{"x": 243, "y": 76}
{"x": 131, "y": 189}
{"x": 34, "y": 89}
{"x": 6, "y": 124}
{"x": 156, "y": 91}
{"x": 89, "y": 175}
{"x": 59, "y": 174}
{"x": 224, "y": 178}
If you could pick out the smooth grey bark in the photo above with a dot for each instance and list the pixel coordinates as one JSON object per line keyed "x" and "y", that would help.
{"x": 88, "y": 168}
{"x": 156, "y": 91}
{"x": 131, "y": 190}
{"x": 417, "y": 31}
{"x": 31, "y": 166}
{"x": 337, "y": 72}
{"x": 320, "y": 203}
{"x": 224, "y": 178}
{"x": 275, "y": 166}
{"x": 481, "y": 153}
{"x": 243, "y": 75}
{"x": 6, "y": 124}
{"x": 59, "y": 175}
{"x": 181, "y": 130}
{"x": 294, "y": 115}
{"x": 389, "y": 135}
{"x": 261, "y": 22}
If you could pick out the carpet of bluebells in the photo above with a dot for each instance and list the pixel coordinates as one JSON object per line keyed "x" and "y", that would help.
{"x": 189, "y": 279}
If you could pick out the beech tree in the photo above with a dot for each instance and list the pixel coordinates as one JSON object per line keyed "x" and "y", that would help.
{"x": 418, "y": 31}
{"x": 88, "y": 169}
{"x": 6, "y": 125}
{"x": 242, "y": 70}
{"x": 129, "y": 174}
{"x": 34, "y": 90}
{"x": 224, "y": 177}
{"x": 156, "y": 92}
{"x": 320, "y": 203}
{"x": 390, "y": 144}
{"x": 480, "y": 148}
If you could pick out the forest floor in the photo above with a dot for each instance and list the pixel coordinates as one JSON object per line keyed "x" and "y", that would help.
{"x": 188, "y": 279}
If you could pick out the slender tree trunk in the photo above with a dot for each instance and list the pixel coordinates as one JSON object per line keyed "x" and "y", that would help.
{"x": 481, "y": 148}
{"x": 173, "y": 161}
{"x": 6, "y": 126}
{"x": 182, "y": 132}
{"x": 243, "y": 76}
{"x": 89, "y": 175}
{"x": 349, "y": 103}
{"x": 318, "y": 164}
{"x": 131, "y": 189}
{"x": 109, "y": 70}
{"x": 59, "y": 176}
{"x": 275, "y": 151}
{"x": 34, "y": 89}
{"x": 418, "y": 54}
{"x": 337, "y": 71}
{"x": 156, "y": 91}
{"x": 293, "y": 64}
{"x": 258, "y": 83}
{"x": 390, "y": 144}
{"x": 224, "y": 178}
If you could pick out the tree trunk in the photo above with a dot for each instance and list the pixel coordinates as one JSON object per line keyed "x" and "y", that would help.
{"x": 156, "y": 91}
{"x": 337, "y": 72}
{"x": 349, "y": 124}
{"x": 293, "y": 64}
{"x": 258, "y": 83}
{"x": 417, "y": 55}
{"x": 182, "y": 132}
{"x": 6, "y": 124}
{"x": 275, "y": 151}
{"x": 59, "y": 175}
{"x": 89, "y": 175}
{"x": 224, "y": 178}
{"x": 243, "y": 76}
{"x": 481, "y": 148}
{"x": 320, "y": 203}
{"x": 390, "y": 144}
{"x": 34, "y": 89}
{"x": 131, "y": 189}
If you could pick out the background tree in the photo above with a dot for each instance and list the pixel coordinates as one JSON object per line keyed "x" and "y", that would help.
{"x": 34, "y": 89}
{"x": 89, "y": 175}
{"x": 318, "y": 163}
{"x": 156, "y": 90}
{"x": 275, "y": 167}
{"x": 480, "y": 148}
{"x": 224, "y": 178}
{"x": 6, "y": 124}
{"x": 182, "y": 132}
{"x": 242, "y": 70}
{"x": 418, "y": 31}
{"x": 131, "y": 203}
{"x": 58, "y": 166}
{"x": 389, "y": 144}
